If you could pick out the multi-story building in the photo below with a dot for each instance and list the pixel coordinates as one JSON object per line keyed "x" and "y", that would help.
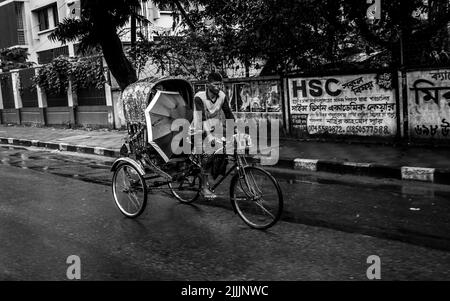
{"x": 28, "y": 23}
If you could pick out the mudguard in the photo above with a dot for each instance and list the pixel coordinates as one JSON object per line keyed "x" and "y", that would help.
{"x": 126, "y": 160}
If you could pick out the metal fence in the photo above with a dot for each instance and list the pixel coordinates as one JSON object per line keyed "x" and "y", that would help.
{"x": 27, "y": 90}
{"x": 7, "y": 90}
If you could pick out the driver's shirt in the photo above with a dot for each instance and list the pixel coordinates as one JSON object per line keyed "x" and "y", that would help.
{"x": 218, "y": 109}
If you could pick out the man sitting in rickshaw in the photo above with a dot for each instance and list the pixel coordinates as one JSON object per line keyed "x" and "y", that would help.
{"x": 212, "y": 104}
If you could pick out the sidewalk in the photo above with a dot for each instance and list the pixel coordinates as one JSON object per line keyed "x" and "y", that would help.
{"x": 411, "y": 163}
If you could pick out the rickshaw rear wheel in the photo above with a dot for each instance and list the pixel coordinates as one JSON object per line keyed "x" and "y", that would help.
{"x": 129, "y": 190}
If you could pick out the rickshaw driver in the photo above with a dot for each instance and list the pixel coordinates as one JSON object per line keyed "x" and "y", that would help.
{"x": 210, "y": 104}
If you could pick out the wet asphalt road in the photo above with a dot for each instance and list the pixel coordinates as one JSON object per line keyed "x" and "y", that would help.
{"x": 53, "y": 205}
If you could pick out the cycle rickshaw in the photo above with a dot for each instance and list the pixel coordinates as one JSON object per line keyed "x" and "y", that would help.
{"x": 147, "y": 165}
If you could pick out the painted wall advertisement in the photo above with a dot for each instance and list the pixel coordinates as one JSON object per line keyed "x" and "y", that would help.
{"x": 429, "y": 104}
{"x": 353, "y": 105}
{"x": 259, "y": 99}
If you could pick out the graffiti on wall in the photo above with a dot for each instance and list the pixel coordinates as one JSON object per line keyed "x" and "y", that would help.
{"x": 429, "y": 104}
{"x": 361, "y": 105}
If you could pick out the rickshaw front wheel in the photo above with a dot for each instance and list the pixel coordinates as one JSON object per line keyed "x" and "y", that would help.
{"x": 256, "y": 197}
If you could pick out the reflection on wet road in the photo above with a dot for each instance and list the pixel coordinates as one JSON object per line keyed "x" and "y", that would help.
{"x": 94, "y": 169}
{"x": 416, "y": 213}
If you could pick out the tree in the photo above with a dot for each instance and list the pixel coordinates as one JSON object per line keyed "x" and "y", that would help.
{"x": 286, "y": 35}
{"x": 14, "y": 58}
{"x": 420, "y": 25}
{"x": 191, "y": 54}
{"x": 98, "y": 27}
{"x": 309, "y": 34}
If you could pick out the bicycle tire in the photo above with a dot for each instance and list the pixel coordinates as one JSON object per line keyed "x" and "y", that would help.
{"x": 137, "y": 179}
{"x": 251, "y": 209}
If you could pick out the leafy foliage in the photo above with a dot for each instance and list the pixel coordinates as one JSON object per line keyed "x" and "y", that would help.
{"x": 421, "y": 26}
{"x": 286, "y": 35}
{"x": 14, "y": 58}
{"x": 54, "y": 77}
{"x": 96, "y": 14}
{"x": 192, "y": 55}
{"x": 315, "y": 34}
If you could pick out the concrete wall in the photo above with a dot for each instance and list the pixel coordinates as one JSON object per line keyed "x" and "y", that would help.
{"x": 337, "y": 106}
{"x": 58, "y": 116}
{"x": 357, "y": 105}
{"x": 41, "y": 109}
{"x": 31, "y": 116}
{"x": 93, "y": 116}
{"x": 429, "y": 104}
{"x": 10, "y": 116}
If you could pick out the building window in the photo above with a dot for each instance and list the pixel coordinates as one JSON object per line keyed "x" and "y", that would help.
{"x": 46, "y": 56}
{"x": 55, "y": 15}
{"x": 20, "y": 26}
{"x": 43, "y": 19}
{"x": 45, "y": 14}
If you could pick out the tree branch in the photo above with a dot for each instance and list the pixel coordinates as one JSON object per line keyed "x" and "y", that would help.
{"x": 185, "y": 15}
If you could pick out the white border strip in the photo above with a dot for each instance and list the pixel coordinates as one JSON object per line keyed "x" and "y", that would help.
{"x": 99, "y": 151}
{"x": 305, "y": 164}
{"x": 418, "y": 174}
{"x": 354, "y": 164}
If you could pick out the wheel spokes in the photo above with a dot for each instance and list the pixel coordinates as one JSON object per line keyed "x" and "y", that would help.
{"x": 257, "y": 198}
{"x": 129, "y": 191}
{"x": 134, "y": 199}
{"x": 264, "y": 209}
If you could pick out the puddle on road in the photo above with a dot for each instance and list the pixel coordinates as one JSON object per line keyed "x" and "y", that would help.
{"x": 53, "y": 164}
{"x": 405, "y": 190}
{"x": 416, "y": 191}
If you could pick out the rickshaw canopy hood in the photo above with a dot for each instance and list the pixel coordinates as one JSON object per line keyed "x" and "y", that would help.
{"x": 136, "y": 97}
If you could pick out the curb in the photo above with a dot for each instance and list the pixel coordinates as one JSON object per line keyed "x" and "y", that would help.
{"x": 407, "y": 173}
{"x": 63, "y": 147}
